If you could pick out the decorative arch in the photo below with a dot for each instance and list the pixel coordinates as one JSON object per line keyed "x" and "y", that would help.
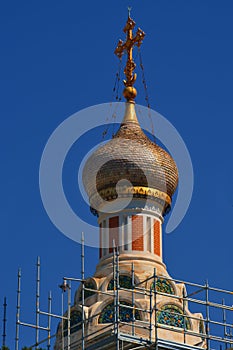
{"x": 172, "y": 315}
{"x": 125, "y": 281}
{"x": 163, "y": 286}
{"x": 125, "y": 313}
{"x": 90, "y": 284}
{"x": 75, "y": 322}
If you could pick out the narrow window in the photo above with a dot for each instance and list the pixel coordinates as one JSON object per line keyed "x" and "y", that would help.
{"x": 126, "y": 233}
{"x": 104, "y": 235}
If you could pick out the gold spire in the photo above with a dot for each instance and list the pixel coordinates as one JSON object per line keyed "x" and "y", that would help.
{"x": 131, "y": 40}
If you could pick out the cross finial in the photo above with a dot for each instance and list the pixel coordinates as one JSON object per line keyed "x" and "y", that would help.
{"x": 127, "y": 46}
{"x": 129, "y": 10}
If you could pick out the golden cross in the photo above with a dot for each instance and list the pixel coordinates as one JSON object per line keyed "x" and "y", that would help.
{"x": 127, "y": 47}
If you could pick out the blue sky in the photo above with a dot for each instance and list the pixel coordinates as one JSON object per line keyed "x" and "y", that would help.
{"x": 56, "y": 59}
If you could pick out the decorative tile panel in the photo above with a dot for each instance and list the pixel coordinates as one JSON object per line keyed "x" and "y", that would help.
{"x": 172, "y": 315}
{"x": 125, "y": 313}
{"x": 124, "y": 281}
{"x": 163, "y": 286}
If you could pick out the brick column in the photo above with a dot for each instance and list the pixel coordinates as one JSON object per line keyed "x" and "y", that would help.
{"x": 157, "y": 237}
{"x": 137, "y": 233}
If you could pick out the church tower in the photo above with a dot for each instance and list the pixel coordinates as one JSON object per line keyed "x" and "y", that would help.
{"x": 131, "y": 301}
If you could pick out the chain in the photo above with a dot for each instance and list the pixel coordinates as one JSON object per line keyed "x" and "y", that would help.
{"x": 144, "y": 79}
{"x": 117, "y": 81}
{"x": 146, "y": 93}
{"x": 116, "y": 96}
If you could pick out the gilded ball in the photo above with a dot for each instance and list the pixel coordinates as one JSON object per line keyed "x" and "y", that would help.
{"x": 130, "y": 93}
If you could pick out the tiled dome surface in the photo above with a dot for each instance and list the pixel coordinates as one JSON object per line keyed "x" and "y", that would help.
{"x": 130, "y": 155}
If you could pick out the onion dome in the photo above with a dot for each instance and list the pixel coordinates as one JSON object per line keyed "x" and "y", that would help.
{"x": 130, "y": 165}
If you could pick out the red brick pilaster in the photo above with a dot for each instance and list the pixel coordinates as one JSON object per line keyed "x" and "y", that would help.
{"x": 137, "y": 232}
{"x": 157, "y": 248}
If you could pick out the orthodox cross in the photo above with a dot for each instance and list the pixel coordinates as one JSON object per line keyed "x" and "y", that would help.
{"x": 127, "y": 46}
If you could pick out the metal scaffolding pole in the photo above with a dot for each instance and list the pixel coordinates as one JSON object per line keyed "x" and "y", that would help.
{"x": 49, "y": 319}
{"x": 68, "y": 314}
{"x": 18, "y": 311}
{"x": 133, "y": 298}
{"x": 114, "y": 286}
{"x": 183, "y": 294}
{"x": 151, "y": 311}
{"x": 155, "y": 308}
{"x": 4, "y": 323}
{"x": 83, "y": 290}
{"x": 207, "y": 316}
{"x": 224, "y": 319}
{"x": 116, "y": 294}
{"x": 62, "y": 322}
{"x": 37, "y": 301}
{"x": 117, "y": 298}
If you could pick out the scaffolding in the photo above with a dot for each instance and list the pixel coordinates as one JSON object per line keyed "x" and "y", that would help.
{"x": 215, "y": 304}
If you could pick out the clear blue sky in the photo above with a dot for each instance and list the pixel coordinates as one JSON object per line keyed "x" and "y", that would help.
{"x": 57, "y": 58}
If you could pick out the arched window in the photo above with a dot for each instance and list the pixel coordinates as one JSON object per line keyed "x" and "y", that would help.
{"x": 75, "y": 322}
{"x": 163, "y": 286}
{"x": 125, "y": 313}
{"x": 172, "y": 315}
{"x": 87, "y": 293}
{"x": 124, "y": 281}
